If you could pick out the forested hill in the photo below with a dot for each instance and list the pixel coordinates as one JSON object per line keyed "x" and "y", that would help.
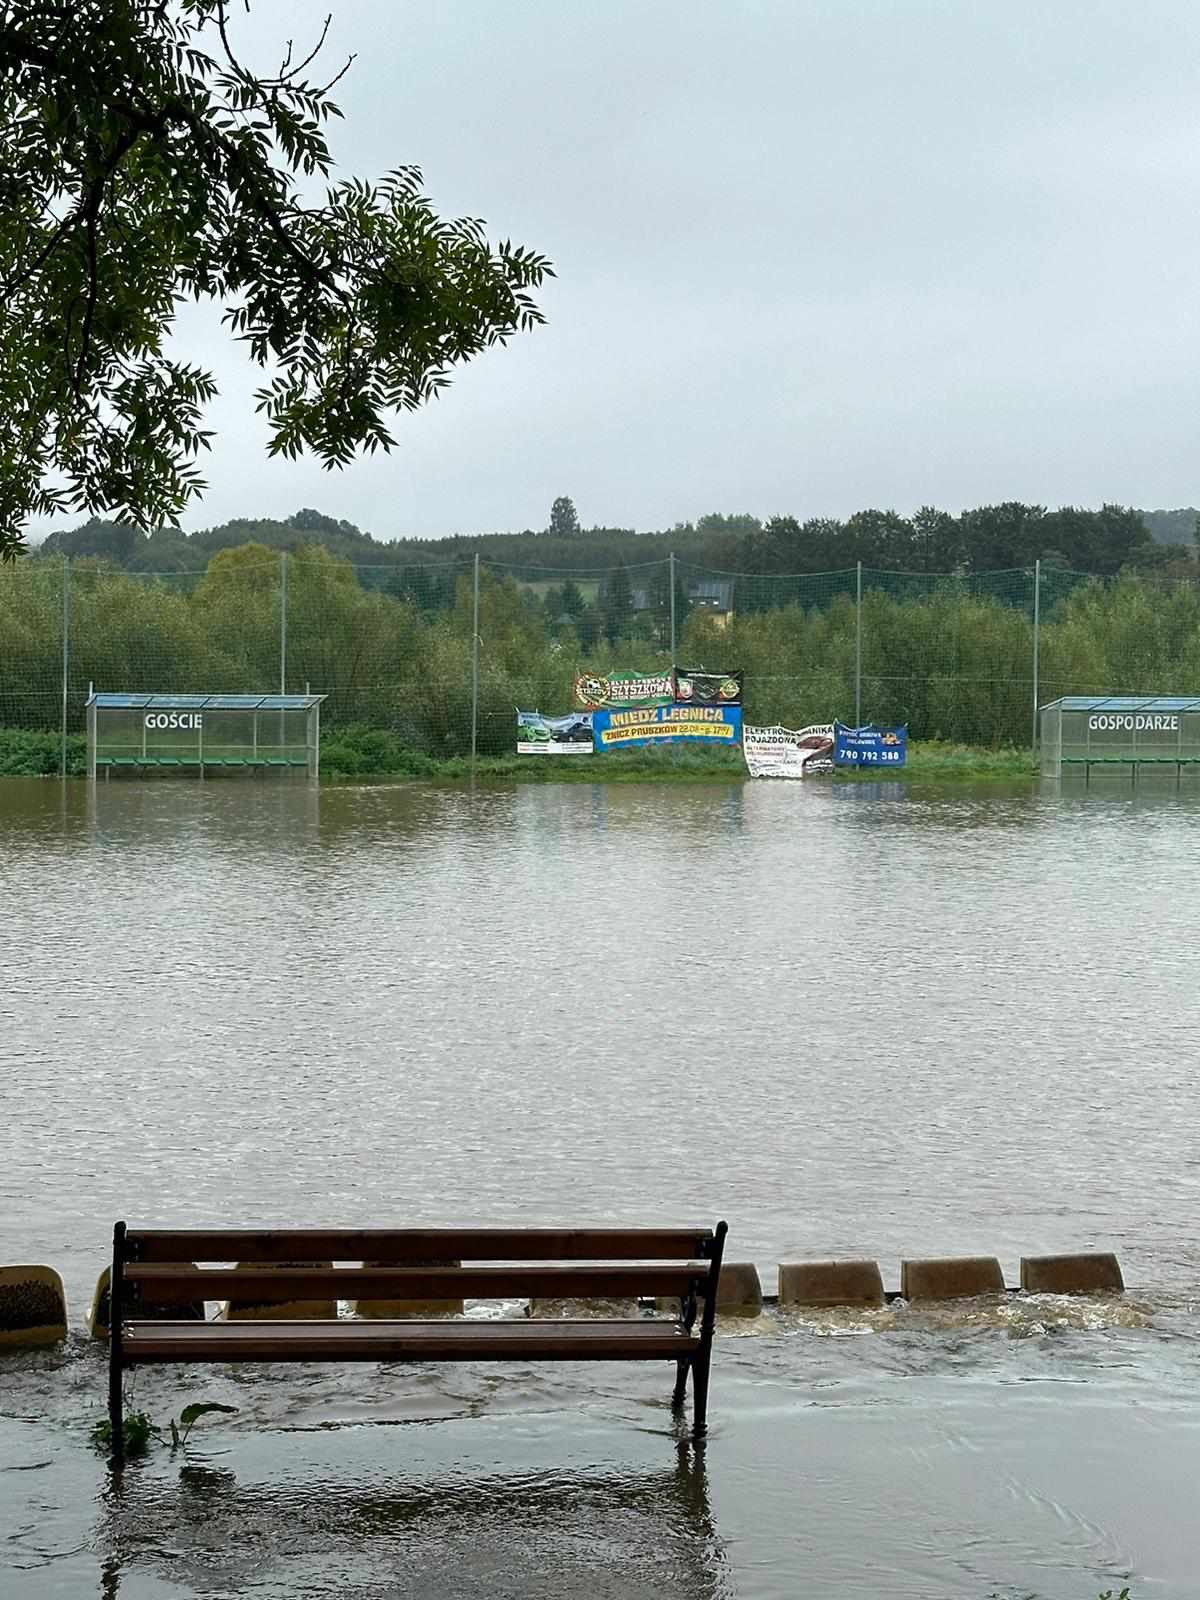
{"x": 1172, "y": 527}
{"x": 984, "y": 539}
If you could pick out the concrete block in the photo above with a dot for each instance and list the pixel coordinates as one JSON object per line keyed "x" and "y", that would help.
{"x": 951, "y": 1278}
{"x": 264, "y": 1309}
{"x": 408, "y": 1308}
{"x": 598, "y": 1308}
{"x": 739, "y": 1293}
{"x": 830, "y": 1283}
{"x": 1095, "y": 1273}
{"x": 33, "y": 1307}
{"x": 101, "y": 1309}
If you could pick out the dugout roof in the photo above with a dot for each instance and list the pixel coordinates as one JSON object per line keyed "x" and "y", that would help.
{"x": 1125, "y": 702}
{"x": 205, "y": 702}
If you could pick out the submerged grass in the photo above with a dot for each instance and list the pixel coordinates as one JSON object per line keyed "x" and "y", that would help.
{"x": 359, "y": 752}
{"x": 370, "y": 752}
{"x": 940, "y": 759}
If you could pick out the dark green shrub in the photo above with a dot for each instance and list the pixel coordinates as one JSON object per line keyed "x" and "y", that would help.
{"x": 32, "y": 755}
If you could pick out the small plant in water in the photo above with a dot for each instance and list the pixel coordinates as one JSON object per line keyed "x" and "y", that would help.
{"x": 188, "y": 1418}
{"x": 138, "y": 1431}
{"x": 1109, "y": 1595}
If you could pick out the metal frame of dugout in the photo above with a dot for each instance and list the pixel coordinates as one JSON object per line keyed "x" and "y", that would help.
{"x": 201, "y": 735}
{"x": 1114, "y": 733}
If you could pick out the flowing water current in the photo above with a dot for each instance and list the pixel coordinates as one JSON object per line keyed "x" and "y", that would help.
{"x": 853, "y": 1019}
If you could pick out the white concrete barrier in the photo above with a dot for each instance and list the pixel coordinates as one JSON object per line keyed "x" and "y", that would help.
{"x": 830, "y": 1283}
{"x": 263, "y": 1309}
{"x": 100, "y": 1311}
{"x": 1097, "y": 1272}
{"x": 408, "y": 1308}
{"x": 33, "y": 1307}
{"x": 950, "y": 1278}
{"x": 739, "y": 1293}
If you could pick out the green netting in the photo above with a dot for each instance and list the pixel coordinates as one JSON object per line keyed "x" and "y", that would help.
{"x": 394, "y": 646}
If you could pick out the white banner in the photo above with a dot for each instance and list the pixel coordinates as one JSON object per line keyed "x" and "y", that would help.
{"x": 554, "y": 736}
{"x": 778, "y": 752}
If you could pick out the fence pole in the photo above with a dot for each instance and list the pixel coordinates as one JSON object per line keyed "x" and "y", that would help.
{"x": 283, "y": 622}
{"x": 475, "y": 668}
{"x": 66, "y": 656}
{"x": 858, "y": 648}
{"x": 1037, "y": 629}
{"x": 672, "y": 560}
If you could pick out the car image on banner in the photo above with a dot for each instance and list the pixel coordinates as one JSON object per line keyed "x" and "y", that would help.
{"x": 779, "y": 752}
{"x": 554, "y": 736}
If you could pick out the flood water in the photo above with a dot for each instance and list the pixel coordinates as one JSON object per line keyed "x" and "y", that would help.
{"x": 853, "y": 1019}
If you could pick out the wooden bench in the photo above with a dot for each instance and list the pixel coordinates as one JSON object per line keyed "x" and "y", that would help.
{"x": 164, "y": 1268}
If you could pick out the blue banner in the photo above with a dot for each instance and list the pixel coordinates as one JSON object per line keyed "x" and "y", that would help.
{"x": 869, "y": 746}
{"x": 623, "y": 730}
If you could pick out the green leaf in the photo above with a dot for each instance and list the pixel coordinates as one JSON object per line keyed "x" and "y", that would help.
{"x": 191, "y": 1413}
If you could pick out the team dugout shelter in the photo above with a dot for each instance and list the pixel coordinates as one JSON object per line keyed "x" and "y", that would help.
{"x": 202, "y": 735}
{"x": 1131, "y": 735}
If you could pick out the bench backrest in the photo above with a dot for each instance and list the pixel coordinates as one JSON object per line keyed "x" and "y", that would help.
{"x": 400, "y": 1245}
{"x": 165, "y": 1267}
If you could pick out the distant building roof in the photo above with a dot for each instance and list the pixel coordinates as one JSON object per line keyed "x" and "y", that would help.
{"x": 1124, "y": 702}
{"x": 712, "y": 591}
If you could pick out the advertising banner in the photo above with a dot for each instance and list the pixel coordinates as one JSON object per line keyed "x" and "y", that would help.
{"x": 623, "y": 730}
{"x": 778, "y": 752}
{"x": 708, "y": 688}
{"x": 554, "y": 736}
{"x": 869, "y": 746}
{"x": 624, "y": 690}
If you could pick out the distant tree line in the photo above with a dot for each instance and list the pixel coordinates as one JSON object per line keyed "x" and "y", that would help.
{"x": 950, "y": 657}
{"x": 988, "y": 538}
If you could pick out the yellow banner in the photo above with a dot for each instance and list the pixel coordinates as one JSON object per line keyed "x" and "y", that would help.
{"x": 637, "y": 732}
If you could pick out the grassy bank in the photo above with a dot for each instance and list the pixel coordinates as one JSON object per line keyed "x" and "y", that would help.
{"x": 368, "y": 752}
{"x": 374, "y": 753}
{"x": 938, "y": 759}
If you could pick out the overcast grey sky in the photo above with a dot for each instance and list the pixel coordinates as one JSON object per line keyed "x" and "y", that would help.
{"x": 811, "y": 257}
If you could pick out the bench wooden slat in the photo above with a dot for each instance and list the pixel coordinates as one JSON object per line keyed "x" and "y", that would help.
{"x": 406, "y": 1341}
{"x": 169, "y": 1285}
{"x": 415, "y": 1244}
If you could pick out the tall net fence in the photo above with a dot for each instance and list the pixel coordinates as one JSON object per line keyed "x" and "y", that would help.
{"x": 439, "y": 654}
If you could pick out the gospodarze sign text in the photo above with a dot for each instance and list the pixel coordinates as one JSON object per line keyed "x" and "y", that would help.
{"x": 1109, "y": 722}
{"x": 174, "y": 719}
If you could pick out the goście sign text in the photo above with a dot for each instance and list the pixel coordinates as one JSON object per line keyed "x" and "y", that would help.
{"x": 174, "y": 719}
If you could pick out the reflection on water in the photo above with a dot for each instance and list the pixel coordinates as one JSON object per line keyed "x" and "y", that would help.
{"x": 426, "y": 1527}
{"x": 859, "y": 1019}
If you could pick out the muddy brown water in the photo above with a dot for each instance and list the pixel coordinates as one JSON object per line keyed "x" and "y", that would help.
{"x": 854, "y": 1019}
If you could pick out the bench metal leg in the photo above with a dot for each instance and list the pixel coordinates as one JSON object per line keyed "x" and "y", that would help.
{"x": 703, "y": 1357}
{"x": 681, "y": 1375}
{"x": 700, "y": 1394}
{"x": 116, "y": 1311}
{"x": 116, "y": 1412}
